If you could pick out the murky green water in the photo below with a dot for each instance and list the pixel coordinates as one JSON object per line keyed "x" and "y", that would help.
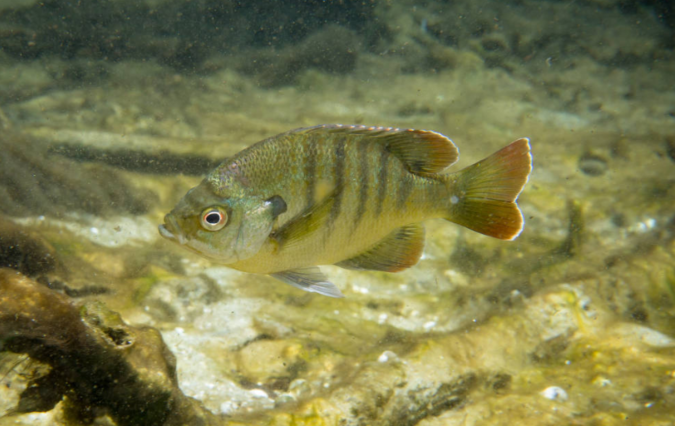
{"x": 111, "y": 111}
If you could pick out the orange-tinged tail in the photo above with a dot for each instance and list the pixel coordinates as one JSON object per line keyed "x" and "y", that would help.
{"x": 483, "y": 196}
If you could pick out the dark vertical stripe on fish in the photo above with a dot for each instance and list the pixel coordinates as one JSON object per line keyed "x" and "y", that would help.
{"x": 310, "y": 172}
{"x": 405, "y": 187}
{"x": 338, "y": 178}
{"x": 363, "y": 182}
{"x": 382, "y": 181}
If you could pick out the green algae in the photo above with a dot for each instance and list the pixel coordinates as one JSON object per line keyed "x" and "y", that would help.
{"x": 144, "y": 286}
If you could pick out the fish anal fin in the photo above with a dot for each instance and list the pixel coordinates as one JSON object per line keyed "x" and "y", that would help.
{"x": 309, "y": 279}
{"x": 422, "y": 151}
{"x": 399, "y": 250}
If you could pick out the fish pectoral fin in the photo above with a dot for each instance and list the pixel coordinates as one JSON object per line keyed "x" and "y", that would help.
{"x": 309, "y": 279}
{"x": 305, "y": 224}
{"x": 399, "y": 250}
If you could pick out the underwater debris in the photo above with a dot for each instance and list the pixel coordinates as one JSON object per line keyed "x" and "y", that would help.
{"x": 448, "y": 396}
{"x": 34, "y": 183}
{"x": 141, "y": 153}
{"x": 550, "y": 349}
{"x": 87, "y": 290}
{"x": 100, "y": 365}
{"x": 499, "y": 382}
{"x": 572, "y": 245}
{"x": 162, "y": 162}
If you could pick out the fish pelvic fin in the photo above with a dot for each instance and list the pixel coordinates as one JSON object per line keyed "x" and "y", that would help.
{"x": 483, "y": 196}
{"x": 309, "y": 279}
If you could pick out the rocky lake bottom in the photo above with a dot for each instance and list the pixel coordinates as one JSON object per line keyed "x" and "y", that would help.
{"x": 572, "y": 323}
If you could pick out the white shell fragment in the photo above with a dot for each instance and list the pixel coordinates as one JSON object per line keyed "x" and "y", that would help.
{"x": 554, "y": 393}
{"x": 258, "y": 393}
{"x": 386, "y": 356}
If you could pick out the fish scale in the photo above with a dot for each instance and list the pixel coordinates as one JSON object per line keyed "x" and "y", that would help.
{"x": 330, "y": 244}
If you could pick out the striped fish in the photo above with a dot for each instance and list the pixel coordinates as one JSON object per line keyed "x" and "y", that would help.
{"x": 351, "y": 196}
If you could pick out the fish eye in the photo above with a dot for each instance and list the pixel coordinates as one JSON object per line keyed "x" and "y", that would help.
{"x": 213, "y": 219}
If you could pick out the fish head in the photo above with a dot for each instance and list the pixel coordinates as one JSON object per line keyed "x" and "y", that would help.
{"x": 225, "y": 227}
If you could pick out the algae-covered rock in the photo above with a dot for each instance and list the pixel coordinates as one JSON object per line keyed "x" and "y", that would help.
{"x": 23, "y": 250}
{"x": 333, "y": 50}
{"x": 35, "y": 183}
{"x": 99, "y": 364}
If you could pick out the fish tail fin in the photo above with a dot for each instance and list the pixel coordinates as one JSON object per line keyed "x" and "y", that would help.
{"x": 483, "y": 196}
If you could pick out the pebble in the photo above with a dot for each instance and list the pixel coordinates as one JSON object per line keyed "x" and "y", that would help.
{"x": 593, "y": 165}
{"x": 554, "y": 393}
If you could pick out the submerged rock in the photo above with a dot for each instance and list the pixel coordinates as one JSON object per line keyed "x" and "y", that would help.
{"x": 24, "y": 251}
{"x": 99, "y": 364}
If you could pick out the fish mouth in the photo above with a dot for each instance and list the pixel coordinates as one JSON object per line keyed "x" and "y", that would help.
{"x": 171, "y": 230}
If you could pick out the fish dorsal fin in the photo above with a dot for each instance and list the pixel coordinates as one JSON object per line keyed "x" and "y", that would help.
{"x": 422, "y": 151}
{"x": 309, "y": 279}
{"x": 399, "y": 250}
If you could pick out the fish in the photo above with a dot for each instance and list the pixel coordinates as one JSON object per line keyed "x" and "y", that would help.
{"x": 347, "y": 195}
